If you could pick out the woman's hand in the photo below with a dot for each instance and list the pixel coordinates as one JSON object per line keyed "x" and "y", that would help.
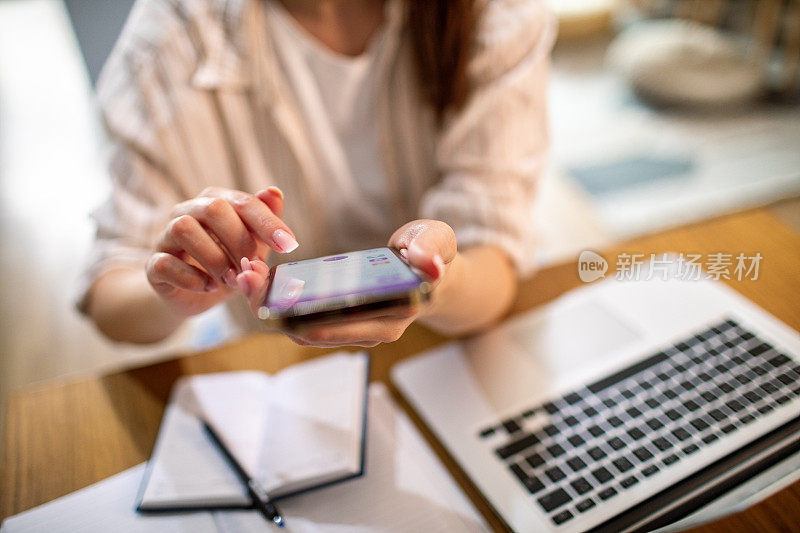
{"x": 428, "y": 245}
{"x": 199, "y": 254}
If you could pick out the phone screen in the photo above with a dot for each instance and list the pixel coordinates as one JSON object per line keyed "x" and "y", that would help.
{"x": 345, "y": 279}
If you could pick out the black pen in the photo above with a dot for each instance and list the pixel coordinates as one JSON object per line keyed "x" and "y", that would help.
{"x": 261, "y": 499}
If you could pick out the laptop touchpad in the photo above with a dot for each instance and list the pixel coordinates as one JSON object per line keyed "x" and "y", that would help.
{"x": 577, "y": 334}
{"x": 541, "y": 353}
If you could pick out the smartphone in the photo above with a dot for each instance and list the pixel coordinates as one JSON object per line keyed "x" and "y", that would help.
{"x": 338, "y": 287}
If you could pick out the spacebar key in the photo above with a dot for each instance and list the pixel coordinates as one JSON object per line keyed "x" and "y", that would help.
{"x": 516, "y": 446}
{"x": 625, "y": 373}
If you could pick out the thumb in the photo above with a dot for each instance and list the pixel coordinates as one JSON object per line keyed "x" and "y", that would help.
{"x": 431, "y": 263}
{"x": 428, "y": 245}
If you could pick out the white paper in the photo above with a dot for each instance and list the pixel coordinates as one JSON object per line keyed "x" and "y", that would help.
{"x": 103, "y": 507}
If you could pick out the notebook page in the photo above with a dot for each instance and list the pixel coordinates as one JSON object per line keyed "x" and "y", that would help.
{"x": 321, "y": 404}
{"x": 404, "y": 488}
{"x": 103, "y": 507}
{"x": 237, "y": 405}
{"x": 186, "y": 467}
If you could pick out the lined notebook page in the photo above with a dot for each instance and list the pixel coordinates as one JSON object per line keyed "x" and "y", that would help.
{"x": 405, "y": 488}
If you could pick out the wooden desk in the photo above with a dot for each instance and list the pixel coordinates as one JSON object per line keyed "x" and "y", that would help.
{"x": 64, "y": 435}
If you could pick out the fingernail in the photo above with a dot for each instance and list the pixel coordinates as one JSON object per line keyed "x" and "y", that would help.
{"x": 404, "y": 253}
{"x": 230, "y": 278}
{"x": 293, "y": 289}
{"x": 245, "y": 262}
{"x": 276, "y": 190}
{"x": 284, "y": 241}
{"x": 211, "y": 285}
{"x": 439, "y": 263}
{"x": 418, "y": 247}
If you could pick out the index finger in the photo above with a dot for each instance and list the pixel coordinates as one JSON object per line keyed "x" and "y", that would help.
{"x": 259, "y": 219}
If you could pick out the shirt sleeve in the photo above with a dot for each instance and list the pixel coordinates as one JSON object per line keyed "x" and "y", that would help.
{"x": 129, "y": 222}
{"x": 492, "y": 152}
{"x": 144, "y": 189}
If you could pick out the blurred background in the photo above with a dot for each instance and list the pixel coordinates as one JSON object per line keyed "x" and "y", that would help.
{"x": 663, "y": 112}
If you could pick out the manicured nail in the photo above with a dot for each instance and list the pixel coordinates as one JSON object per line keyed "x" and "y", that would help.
{"x": 230, "y": 278}
{"x": 276, "y": 190}
{"x": 404, "y": 253}
{"x": 439, "y": 263}
{"x": 293, "y": 289}
{"x": 245, "y": 262}
{"x": 284, "y": 241}
{"x": 420, "y": 251}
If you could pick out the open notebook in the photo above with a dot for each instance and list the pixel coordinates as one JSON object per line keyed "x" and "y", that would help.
{"x": 296, "y": 430}
{"x": 404, "y": 488}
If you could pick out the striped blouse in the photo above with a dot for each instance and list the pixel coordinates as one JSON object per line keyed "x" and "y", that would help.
{"x": 193, "y": 95}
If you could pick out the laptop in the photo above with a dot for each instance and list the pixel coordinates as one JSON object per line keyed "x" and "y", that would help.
{"x": 621, "y": 406}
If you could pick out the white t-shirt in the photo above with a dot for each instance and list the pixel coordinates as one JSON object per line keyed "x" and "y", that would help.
{"x": 337, "y": 95}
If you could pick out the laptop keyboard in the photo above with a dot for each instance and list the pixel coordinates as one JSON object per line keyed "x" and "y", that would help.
{"x": 603, "y": 439}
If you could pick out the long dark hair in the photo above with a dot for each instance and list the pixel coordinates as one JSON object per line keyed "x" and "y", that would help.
{"x": 442, "y": 34}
